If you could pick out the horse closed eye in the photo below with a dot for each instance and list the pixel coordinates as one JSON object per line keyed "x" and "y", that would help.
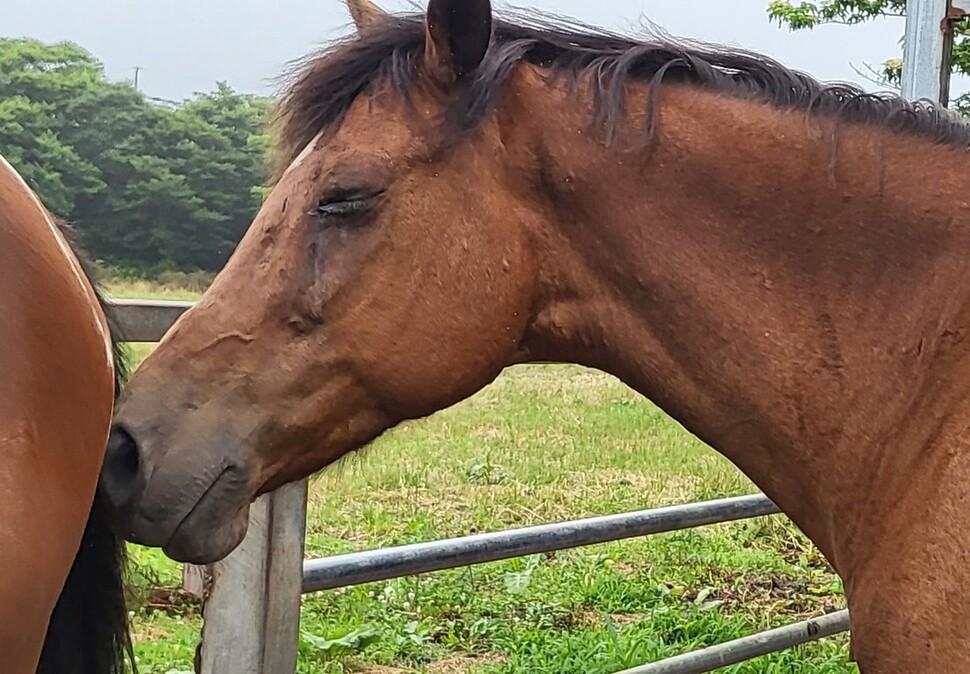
{"x": 345, "y": 207}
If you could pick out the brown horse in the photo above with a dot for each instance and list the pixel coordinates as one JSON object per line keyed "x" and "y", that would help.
{"x": 781, "y": 265}
{"x": 61, "y": 593}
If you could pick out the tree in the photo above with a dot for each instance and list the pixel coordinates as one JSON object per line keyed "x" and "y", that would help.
{"x": 147, "y": 186}
{"x": 33, "y": 79}
{"x": 183, "y": 193}
{"x": 220, "y": 142}
{"x": 808, "y": 15}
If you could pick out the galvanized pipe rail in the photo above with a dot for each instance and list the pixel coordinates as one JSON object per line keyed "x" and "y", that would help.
{"x": 410, "y": 560}
{"x": 749, "y": 648}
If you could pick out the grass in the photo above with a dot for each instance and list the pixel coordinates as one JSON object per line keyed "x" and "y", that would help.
{"x": 544, "y": 443}
{"x": 138, "y": 289}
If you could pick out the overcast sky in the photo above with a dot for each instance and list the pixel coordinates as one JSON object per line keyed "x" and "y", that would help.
{"x": 186, "y": 46}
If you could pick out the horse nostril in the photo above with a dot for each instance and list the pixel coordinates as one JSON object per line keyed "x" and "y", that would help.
{"x": 122, "y": 465}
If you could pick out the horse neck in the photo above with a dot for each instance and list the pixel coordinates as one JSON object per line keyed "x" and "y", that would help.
{"x": 798, "y": 308}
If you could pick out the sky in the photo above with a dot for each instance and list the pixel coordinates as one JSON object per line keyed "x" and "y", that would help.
{"x": 186, "y": 46}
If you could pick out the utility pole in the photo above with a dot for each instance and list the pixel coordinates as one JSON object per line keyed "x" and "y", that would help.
{"x": 137, "y": 70}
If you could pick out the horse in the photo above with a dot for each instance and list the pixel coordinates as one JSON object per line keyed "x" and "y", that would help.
{"x": 62, "y": 602}
{"x": 778, "y": 263}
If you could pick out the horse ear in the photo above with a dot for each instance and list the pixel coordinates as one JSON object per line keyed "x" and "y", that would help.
{"x": 458, "y": 35}
{"x": 364, "y": 13}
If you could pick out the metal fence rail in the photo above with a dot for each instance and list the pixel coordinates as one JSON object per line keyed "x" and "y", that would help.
{"x": 748, "y": 648}
{"x": 411, "y": 560}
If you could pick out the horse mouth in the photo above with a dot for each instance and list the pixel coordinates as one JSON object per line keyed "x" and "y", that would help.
{"x": 215, "y": 525}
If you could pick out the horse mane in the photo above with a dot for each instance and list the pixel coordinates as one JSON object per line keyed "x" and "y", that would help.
{"x": 88, "y": 631}
{"x": 322, "y": 87}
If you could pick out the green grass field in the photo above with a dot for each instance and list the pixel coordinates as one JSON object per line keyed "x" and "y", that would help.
{"x": 540, "y": 445}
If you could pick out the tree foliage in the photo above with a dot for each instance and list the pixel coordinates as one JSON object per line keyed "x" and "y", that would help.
{"x": 808, "y": 15}
{"x": 148, "y": 186}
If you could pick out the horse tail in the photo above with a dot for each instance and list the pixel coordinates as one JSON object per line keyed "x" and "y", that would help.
{"x": 88, "y": 631}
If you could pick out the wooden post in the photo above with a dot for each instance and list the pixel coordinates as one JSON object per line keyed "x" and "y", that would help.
{"x": 252, "y": 598}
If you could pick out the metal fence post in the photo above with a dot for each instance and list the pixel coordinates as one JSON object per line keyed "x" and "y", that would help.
{"x": 252, "y": 604}
{"x": 927, "y": 48}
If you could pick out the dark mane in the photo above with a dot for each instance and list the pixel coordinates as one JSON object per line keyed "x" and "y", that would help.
{"x": 325, "y": 85}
